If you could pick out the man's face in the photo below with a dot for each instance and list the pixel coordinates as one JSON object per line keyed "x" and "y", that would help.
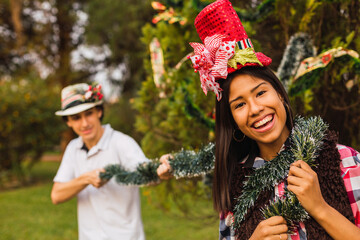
{"x": 87, "y": 124}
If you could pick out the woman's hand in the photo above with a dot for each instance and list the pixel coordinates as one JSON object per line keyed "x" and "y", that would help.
{"x": 164, "y": 170}
{"x": 303, "y": 182}
{"x": 274, "y": 228}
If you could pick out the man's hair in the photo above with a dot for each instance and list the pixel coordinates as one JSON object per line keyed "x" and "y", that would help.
{"x": 99, "y": 107}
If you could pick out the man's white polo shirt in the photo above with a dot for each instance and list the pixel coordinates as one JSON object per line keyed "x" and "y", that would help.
{"x": 112, "y": 211}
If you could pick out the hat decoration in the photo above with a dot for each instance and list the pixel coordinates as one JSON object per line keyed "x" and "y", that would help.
{"x": 226, "y": 46}
{"x": 79, "y": 97}
{"x": 210, "y": 60}
{"x": 93, "y": 93}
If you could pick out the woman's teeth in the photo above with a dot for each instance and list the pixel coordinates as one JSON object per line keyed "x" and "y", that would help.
{"x": 263, "y": 122}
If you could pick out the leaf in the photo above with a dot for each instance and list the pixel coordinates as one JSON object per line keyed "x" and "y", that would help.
{"x": 349, "y": 38}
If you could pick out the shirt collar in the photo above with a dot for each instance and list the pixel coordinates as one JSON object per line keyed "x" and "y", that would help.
{"x": 84, "y": 147}
{"x": 253, "y": 160}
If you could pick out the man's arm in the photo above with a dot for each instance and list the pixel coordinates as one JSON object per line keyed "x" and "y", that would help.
{"x": 64, "y": 191}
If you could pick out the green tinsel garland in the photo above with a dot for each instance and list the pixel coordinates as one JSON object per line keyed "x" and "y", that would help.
{"x": 185, "y": 163}
{"x": 144, "y": 174}
{"x": 300, "y": 46}
{"x": 306, "y": 141}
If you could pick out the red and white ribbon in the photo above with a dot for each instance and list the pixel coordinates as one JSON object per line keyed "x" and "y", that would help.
{"x": 210, "y": 60}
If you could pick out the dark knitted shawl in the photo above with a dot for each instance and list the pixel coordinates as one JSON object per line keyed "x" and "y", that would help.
{"x": 331, "y": 184}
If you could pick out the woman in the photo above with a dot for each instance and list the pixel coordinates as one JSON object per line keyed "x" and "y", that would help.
{"x": 253, "y": 125}
{"x": 255, "y": 104}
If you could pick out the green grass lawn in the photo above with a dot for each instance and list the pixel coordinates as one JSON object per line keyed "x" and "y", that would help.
{"x": 27, "y": 213}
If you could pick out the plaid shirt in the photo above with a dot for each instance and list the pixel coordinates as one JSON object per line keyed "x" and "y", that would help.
{"x": 350, "y": 170}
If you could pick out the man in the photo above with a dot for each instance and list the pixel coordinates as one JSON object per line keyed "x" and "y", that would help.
{"x": 106, "y": 210}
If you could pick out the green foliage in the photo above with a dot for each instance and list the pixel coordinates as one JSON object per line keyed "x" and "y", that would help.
{"x": 121, "y": 116}
{"x": 262, "y": 11}
{"x": 332, "y": 92}
{"x": 195, "y": 112}
{"x": 323, "y": 21}
{"x": 311, "y": 6}
{"x": 163, "y": 119}
{"x": 118, "y": 24}
{"x": 28, "y": 126}
{"x": 172, "y": 196}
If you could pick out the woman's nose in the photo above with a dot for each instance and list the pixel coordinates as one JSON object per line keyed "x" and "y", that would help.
{"x": 255, "y": 108}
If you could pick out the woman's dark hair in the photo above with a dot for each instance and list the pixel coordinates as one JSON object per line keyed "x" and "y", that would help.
{"x": 98, "y": 107}
{"x": 228, "y": 151}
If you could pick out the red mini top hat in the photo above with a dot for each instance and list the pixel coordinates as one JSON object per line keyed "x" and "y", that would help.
{"x": 226, "y": 47}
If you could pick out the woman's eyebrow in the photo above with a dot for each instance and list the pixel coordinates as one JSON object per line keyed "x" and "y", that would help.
{"x": 252, "y": 90}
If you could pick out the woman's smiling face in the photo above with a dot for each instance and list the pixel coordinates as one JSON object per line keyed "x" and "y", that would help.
{"x": 258, "y": 110}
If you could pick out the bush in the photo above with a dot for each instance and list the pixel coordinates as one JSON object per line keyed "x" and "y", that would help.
{"x": 28, "y": 126}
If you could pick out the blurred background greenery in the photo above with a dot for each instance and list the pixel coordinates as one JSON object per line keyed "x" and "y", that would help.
{"x": 137, "y": 50}
{"x": 27, "y": 213}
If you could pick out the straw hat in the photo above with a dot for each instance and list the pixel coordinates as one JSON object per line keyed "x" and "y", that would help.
{"x": 78, "y": 98}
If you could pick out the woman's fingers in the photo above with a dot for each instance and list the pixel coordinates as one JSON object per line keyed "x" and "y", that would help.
{"x": 272, "y": 228}
{"x": 276, "y": 220}
{"x": 275, "y": 225}
{"x": 282, "y": 236}
{"x": 301, "y": 165}
{"x": 299, "y": 178}
{"x": 296, "y": 180}
{"x": 304, "y": 183}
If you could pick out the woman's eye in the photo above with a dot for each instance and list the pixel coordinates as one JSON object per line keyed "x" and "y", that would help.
{"x": 260, "y": 93}
{"x": 239, "y": 105}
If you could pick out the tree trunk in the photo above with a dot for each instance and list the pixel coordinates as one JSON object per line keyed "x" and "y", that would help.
{"x": 64, "y": 73}
{"x": 16, "y": 8}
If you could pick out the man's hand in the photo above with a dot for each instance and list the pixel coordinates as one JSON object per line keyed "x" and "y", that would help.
{"x": 64, "y": 191}
{"x": 93, "y": 178}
